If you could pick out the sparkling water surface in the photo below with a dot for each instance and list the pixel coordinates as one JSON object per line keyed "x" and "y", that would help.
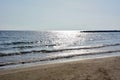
{"x": 27, "y": 47}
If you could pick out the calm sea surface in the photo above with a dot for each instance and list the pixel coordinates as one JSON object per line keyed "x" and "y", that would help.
{"x": 22, "y": 48}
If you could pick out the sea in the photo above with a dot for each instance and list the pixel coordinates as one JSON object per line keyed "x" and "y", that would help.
{"x": 19, "y": 49}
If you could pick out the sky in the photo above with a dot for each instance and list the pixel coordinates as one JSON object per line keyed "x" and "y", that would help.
{"x": 59, "y": 15}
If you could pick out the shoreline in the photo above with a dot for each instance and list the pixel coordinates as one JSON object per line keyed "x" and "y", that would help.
{"x": 59, "y": 61}
{"x": 90, "y": 69}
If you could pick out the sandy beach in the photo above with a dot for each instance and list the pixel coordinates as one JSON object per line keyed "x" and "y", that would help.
{"x": 92, "y": 69}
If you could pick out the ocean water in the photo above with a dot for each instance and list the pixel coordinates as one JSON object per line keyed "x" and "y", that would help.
{"x": 22, "y": 48}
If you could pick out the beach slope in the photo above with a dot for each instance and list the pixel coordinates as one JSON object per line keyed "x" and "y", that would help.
{"x": 92, "y": 69}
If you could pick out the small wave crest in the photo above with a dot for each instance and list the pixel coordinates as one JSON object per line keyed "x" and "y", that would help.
{"x": 55, "y": 50}
{"x": 58, "y": 57}
{"x": 17, "y": 43}
{"x": 26, "y": 46}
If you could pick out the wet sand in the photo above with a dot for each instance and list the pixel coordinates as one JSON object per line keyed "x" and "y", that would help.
{"x": 92, "y": 69}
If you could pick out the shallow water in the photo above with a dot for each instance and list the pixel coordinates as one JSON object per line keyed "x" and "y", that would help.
{"x": 26, "y": 47}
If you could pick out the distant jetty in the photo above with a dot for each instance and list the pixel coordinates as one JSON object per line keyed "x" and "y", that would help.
{"x": 91, "y": 31}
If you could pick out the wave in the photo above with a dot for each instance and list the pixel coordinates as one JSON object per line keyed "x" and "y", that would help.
{"x": 58, "y": 57}
{"x": 17, "y": 47}
{"x": 20, "y": 42}
{"x": 56, "y": 50}
{"x": 27, "y": 46}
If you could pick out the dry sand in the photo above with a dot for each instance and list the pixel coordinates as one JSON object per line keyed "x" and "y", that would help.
{"x": 94, "y": 69}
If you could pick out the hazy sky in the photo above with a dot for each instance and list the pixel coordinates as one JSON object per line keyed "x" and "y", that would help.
{"x": 59, "y": 14}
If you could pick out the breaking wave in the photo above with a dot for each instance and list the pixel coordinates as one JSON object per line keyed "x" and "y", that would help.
{"x": 55, "y": 50}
